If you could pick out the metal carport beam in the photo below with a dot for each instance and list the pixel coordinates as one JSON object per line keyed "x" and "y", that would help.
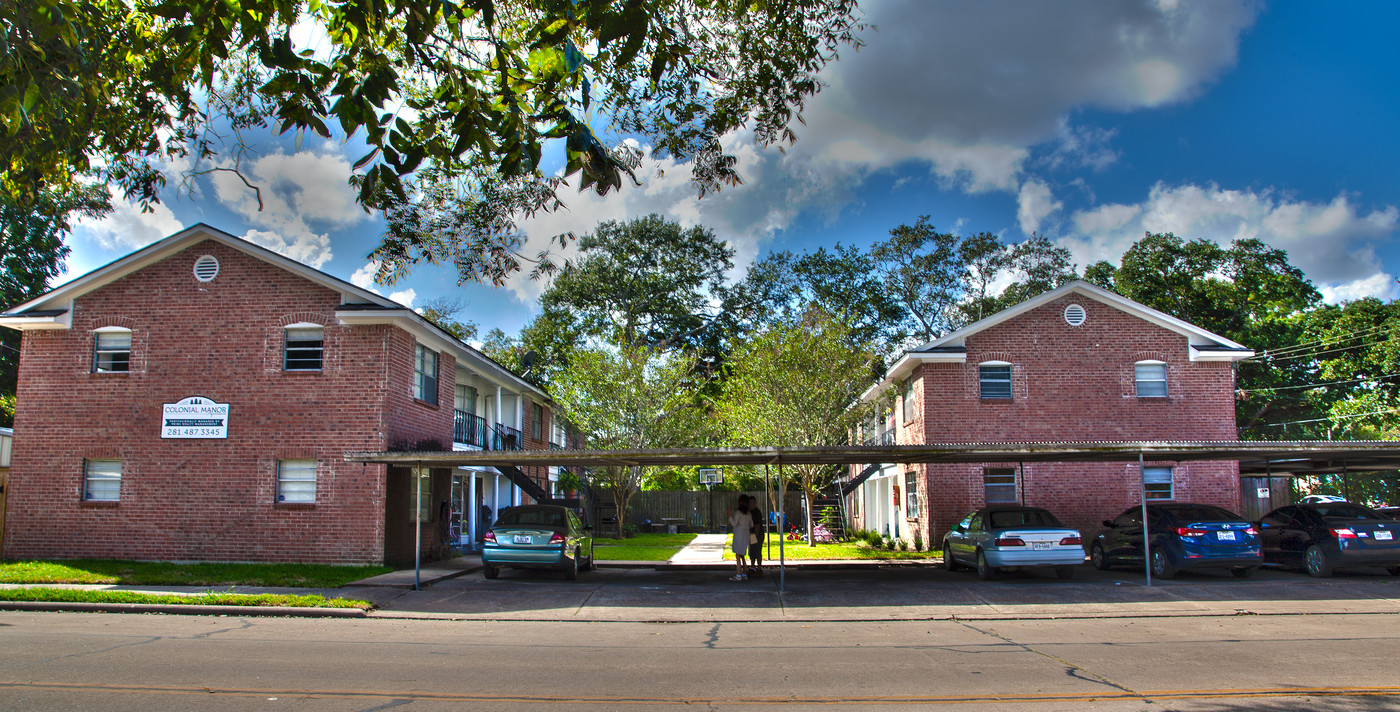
{"x": 1254, "y": 456}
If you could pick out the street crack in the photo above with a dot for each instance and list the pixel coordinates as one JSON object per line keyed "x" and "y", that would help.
{"x": 1071, "y": 669}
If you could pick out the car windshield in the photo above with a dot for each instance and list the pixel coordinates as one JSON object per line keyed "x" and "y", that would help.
{"x": 1022, "y": 518}
{"x": 543, "y": 517}
{"x": 1345, "y": 511}
{"x": 1201, "y": 513}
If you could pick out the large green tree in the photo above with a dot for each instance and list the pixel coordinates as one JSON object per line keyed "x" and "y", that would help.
{"x": 31, "y": 254}
{"x": 792, "y": 385}
{"x": 458, "y": 102}
{"x": 629, "y": 399}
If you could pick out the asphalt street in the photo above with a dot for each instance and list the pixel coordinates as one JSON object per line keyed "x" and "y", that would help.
{"x": 64, "y": 661}
{"x": 1175, "y": 657}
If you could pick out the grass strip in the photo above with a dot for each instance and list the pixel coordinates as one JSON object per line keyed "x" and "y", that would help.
{"x": 269, "y": 600}
{"x": 642, "y": 547}
{"x": 839, "y": 551}
{"x": 164, "y": 573}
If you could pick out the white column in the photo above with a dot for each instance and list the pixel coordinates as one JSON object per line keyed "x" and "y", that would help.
{"x": 471, "y": 509}
{"x": 499, "y": 417}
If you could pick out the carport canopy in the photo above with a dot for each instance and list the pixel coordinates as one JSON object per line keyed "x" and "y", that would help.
{"x": 1256, "y": 458}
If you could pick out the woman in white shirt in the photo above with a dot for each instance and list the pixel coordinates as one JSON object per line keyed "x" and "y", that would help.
{"x": 741, "y": 522}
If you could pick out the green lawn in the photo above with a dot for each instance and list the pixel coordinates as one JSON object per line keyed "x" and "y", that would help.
{"x": 842, "y": 550}
{"x": 642, "y": 547}
{"x": 68, "y": 595}
{"x": 155, "y": 573}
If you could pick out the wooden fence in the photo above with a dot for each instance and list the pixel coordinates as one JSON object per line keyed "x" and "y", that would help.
{"x": 698, "y": 511}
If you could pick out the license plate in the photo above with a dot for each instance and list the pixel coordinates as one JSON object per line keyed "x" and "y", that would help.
{"x": 523, "y": 539}
{"x": 1384, "y": 536}
{"x": 1226, "y": 536}
{"x": 1040, "y": 545}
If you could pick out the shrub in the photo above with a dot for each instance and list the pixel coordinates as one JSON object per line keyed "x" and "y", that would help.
{"x": 903, "y": 545}
{"x": 918, "y": 540}
{"x": 629, "y": 529}
{"x": 874, "y": 540}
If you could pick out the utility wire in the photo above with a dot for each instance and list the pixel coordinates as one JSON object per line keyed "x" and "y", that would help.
{"x": 1306, "y": 345}
{"x": 1320, "y": 385}
{"x": 1319, "y": 420}
{"x": 1318, "y": 354}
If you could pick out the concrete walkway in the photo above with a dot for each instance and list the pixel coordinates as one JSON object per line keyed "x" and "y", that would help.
{"x": 430, "y": 572}
{"x": 703, "y": 549}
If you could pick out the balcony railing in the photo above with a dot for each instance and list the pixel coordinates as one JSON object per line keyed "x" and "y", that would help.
{"x": 883, "y": 437}
{"x": 506, "y": 438}
{"x": 469, "y": 429}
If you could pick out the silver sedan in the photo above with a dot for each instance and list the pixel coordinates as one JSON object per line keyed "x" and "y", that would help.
{"x": 998, "y": 537}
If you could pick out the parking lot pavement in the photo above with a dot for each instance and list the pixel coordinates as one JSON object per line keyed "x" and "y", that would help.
{"x": 899, "y": 593}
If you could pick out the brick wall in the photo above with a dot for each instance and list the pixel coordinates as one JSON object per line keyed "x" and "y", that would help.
{"x": 212, "y": 499}
{"x": 1071, "y": 384}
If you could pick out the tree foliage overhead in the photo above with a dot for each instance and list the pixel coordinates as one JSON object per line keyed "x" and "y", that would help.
{"x": 458, "y": 102}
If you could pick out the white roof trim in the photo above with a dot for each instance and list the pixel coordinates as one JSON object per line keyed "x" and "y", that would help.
{"x": 1203, "y": 345}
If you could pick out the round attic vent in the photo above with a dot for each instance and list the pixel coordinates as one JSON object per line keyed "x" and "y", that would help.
{"x": 206, "y": 268}
{"x": 1074, "y": 315}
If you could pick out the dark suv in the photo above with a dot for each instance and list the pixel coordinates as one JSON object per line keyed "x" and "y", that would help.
{"x": 1184, "y": 536}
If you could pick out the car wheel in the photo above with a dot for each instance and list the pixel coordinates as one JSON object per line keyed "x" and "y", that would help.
{"x": 1065, "y": 572}
{"x": 1242, "y": 571}
{"x": 948, "y": 562}
{"x": 1316, "y": 562}
{"x": 571, "y": 568}
{"x": 490, "y": 571}
{"x": 984, "y": 571}
{"x": 1162, "y": 565}
{"x": 1098, "y": 557}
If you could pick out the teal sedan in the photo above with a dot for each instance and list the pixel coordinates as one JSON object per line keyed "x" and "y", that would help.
{"x": 538, "y": 536}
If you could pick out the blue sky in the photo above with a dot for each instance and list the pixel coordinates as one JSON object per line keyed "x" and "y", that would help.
{"x": 1087, "y": 122}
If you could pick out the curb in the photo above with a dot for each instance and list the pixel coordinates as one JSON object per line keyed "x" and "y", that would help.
{"x": 184, "y": 609}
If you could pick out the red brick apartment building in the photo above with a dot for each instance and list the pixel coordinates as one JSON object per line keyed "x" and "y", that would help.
{"x": 195, "y": 399}
{"x": 1078, "y": 363}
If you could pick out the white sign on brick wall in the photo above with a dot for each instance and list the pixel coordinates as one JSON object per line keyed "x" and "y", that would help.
{"x": 194, "y": 417}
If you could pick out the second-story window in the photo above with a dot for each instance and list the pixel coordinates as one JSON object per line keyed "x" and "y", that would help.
{"x": 995, "y": 380}
{"x": 425, "y": 386}
{"x": 537, "y": 421}
{"x": 302, "y": 347}
{"x": 909, "y": 400}
{"x": 112, "y": 352}
{"x": 1151, "y": 377}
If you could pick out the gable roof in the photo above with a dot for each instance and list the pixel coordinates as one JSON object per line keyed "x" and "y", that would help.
{"x": 952, "y": 347}
{"x": 54, "y": 309}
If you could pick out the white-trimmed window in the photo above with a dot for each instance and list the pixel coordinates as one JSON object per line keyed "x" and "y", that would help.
{"x": 994, "y": 378}
{"x": 303, "y": 346}
{"x": 908, "y": 400}
{"x": 1157, "y": 482}
{"x": 999, "y": 485}
{"x": 537, "y": 421}
{"x": 296, "y": 481}
{"x": 911, "y": 495}
{"x": 1151, "y": 377}
{"x": 102, "y": 480}
{"x": 111, "y": 350}
{"x": 425, "y": 383}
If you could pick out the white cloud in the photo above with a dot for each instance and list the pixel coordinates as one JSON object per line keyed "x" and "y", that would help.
{"x": 127, "y": 228}
{"x": 310, "y": 249}
{"x": 1034, "y": 205}
{"x": 304, "y": 196}
{"x": 405, "y": 297}
{"x": 364, "y": 276}
{"x": 970, "y": 87}
{"x": 1333, "y": 243}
